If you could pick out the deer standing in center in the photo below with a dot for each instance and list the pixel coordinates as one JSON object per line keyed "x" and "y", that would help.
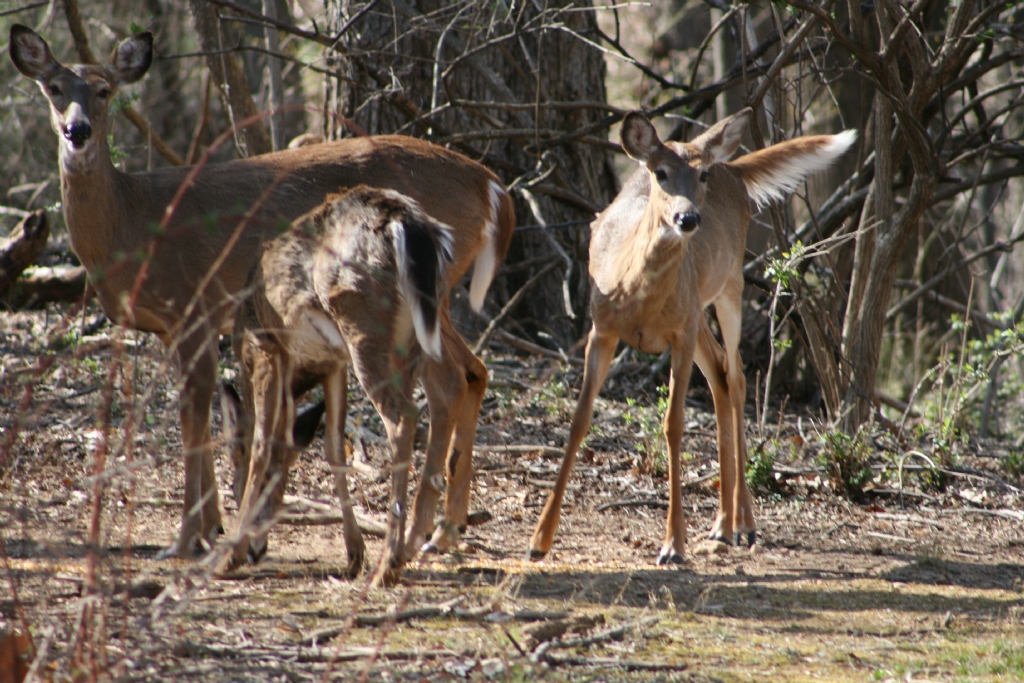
{"x": 169, "y": 249}
{"x": 669, "y": 245}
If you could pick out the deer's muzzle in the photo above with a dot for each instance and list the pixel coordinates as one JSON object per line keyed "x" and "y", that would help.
{"x": 77, "y": 132}
{"x": 686, "y": 222}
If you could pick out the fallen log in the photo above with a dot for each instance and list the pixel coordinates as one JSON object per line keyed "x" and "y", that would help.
{"x": 40, "y": 286}
{"x": 22, "y": 247}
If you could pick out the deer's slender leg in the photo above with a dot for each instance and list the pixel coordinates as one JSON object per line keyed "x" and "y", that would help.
{"x": 336, "y": 399}
{"x": 729, "y": 308}
{"x": 673, "y": 426}
{"x": 460, "y": 457}
{"x": 711, "y": 359}
{"x": 445, "y": 386}
{"x": 281, "y": 448}
{"x": 599, "y": 355}
{"x": 201, "y": 520}
{"x": 387, "y": 380}
{"x": 266, "y": 387}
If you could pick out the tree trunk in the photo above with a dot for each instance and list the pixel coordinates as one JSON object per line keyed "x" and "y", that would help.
{"x": 527, "y": 62}
{"x": 251, "y": 136}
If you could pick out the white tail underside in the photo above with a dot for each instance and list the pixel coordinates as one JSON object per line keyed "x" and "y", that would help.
{"x": 487, "y": 260}
{"x": 786, "y": 176}
{"x": 429, "y": 336}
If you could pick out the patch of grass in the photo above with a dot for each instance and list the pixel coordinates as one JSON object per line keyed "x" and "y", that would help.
{"x": 1013, "y": 465}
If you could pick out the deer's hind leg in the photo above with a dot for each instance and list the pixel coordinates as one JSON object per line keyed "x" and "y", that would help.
{"x": 729, "y": 310}
{"x": 445, "y": 387}
{"x": 387, "y": 381}
{"x": 711, "y": 359}
{"x": 336, "y": 400}
{"x": 471, "y": 375}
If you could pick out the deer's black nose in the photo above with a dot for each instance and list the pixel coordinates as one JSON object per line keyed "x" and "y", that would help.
{"x": 77, "y": 133}
{"x": 687, "y": 222}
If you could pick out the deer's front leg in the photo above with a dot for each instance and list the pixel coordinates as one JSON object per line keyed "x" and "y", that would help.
{"x": 675, "y": 532}
{"x": 599, "y": 356}
{"x": 266, "y": 387}
{"x": 201, "y": 519}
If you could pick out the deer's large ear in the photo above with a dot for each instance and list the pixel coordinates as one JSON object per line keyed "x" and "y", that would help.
{"x": 30, "y": 53}
{"x": 639, "y": 138}
{"x": 132, "y": 57}
{"x": 719, "y": 142}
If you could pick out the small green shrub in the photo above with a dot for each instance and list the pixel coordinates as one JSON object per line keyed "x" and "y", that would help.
{"x": 845, "y": 460}
{"x": 653, "y": 459}
{"x": 761, "y": 469}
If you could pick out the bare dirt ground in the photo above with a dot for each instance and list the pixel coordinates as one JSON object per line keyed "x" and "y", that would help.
{"x": 926, "y": 589}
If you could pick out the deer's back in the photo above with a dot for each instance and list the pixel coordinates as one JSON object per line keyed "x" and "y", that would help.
{"x": 283, "y": 186}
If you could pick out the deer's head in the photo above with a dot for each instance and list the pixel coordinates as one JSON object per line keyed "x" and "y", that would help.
{"x": 680, "y": 173}
{"x": 79, "y": 95}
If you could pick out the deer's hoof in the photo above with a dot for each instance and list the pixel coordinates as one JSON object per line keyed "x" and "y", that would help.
{"x": 669, "y": 556}
{"x": 184, "y": 551}
{"x": 256, "y": 554}
{"x": 751, "y": 538}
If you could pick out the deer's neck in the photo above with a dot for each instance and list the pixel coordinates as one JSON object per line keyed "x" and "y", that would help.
{"x": 91, "y": 190}
{"x": 646, "y": 261}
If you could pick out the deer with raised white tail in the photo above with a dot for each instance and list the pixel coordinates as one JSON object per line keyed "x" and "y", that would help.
{"x": 669, "y": 245}
{"x": 360, "y": 281}
{"x": 169, "y": 249}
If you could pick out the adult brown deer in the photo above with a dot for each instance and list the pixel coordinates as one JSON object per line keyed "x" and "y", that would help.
{"x": 168, "y": 249}
{"x": 361, "y": 281}
{"x": 670, "y": 244}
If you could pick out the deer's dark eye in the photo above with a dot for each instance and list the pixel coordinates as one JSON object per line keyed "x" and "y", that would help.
{"x": 703, "y": 176}
{"x": 54, "y": 90}
{"x": 103, "y": 93}
{"x": 661, "y": 175}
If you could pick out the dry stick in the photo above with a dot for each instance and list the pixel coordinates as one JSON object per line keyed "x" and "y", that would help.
{"x": 616, "y": 633}
{"x": 77, "y": 28}
{"x": 512, "y": 106}
{"x": 769, "y": 79}
{"x": 708, "y": 92}
{"x": 530, "y": 347}
{"x": 203, "y": 123}
{"x": 492, "y": 327}
{"x": 939, "y": 277}
{"x": 446, "y": 609}
{"x": 655, "y": 502}
{"x": 427, "y": 612}
{"x": 326, "y": 515}
{"x": 24, "y": 8}
{"x": 627, "y": 664}
{"x": 314, "y": 655}
{"x": 325, "y": 40}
